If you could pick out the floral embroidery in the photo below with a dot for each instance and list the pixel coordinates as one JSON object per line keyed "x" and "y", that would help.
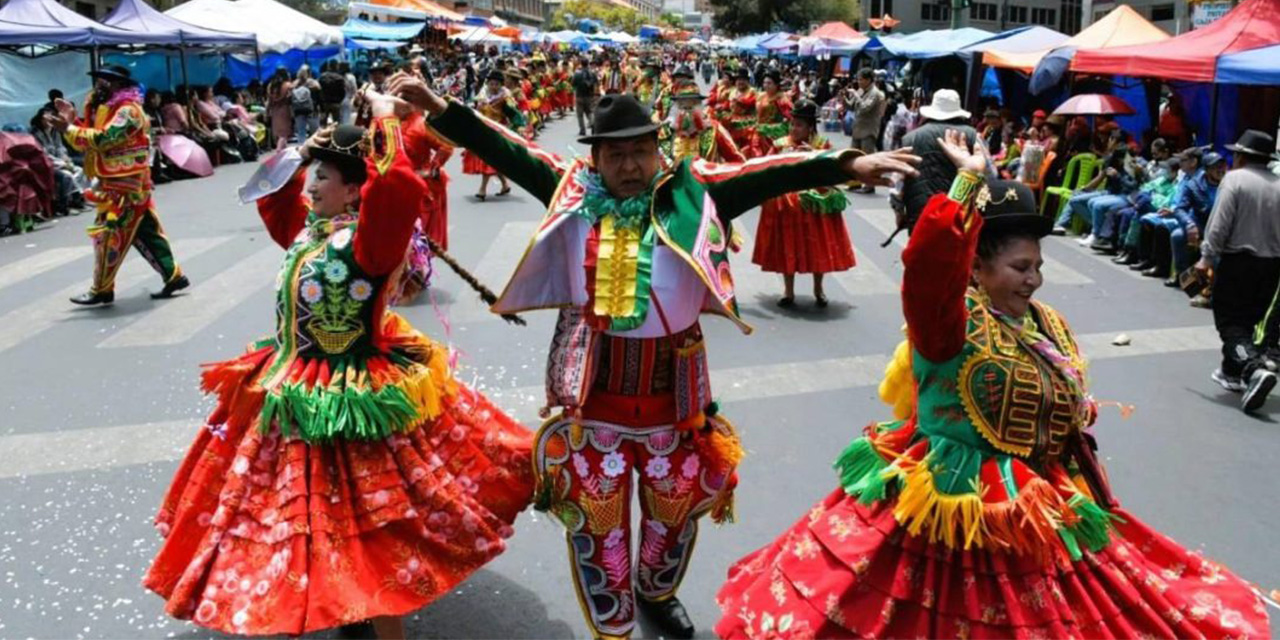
{"x": 342, "y": 238}
{"x": 805, "y": 548}
{"x": 690, "y": 467}
{"x": 335, "y": 272}
{"x": 613, "y": 464}
{"x": 658, "y": 467}
{"x": 312, "y": 291}
{"x": 360, "y": 290}
{"x": 613, "y": 539}
{"x": 581, "y": 465}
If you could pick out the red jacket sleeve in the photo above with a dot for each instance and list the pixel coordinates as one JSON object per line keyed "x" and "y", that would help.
{"x": 284, "y": 212}
{"x": 386, "y": 224}
{"x": 936, "y": 267}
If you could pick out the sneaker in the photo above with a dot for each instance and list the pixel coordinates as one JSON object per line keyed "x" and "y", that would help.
{"x": 1231, "y": 383}
{"x": 1201, "y": 302}
{"x": 1260, "y": 385}
{"x": 1058, "y": 230}
{"x": 1086, "y": 240}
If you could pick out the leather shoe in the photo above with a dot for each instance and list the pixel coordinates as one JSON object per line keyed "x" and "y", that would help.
{"x": 1171, "y": 282}
{"x": 90, "y": 299}
{"x": 1155, "y": 272}
{"x": 1141, "y": 265}
{"x": 177, "y": 284}
{"x": 669, "y": 616}
{"x": 1121, "y": 258}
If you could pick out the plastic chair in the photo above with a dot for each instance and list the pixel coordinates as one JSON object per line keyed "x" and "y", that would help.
{"x": 1080, "y": 170}
{"x": 1037, "y": 185}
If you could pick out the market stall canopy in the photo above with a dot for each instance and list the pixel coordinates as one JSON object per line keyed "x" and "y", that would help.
{"x": 1256, "y": 66}
{"x": 419, "y": 9}
{"x": 836, "y": 30}
{"x": 47, "y": 17}
{"x": 932, "y": 43}
{"x": 13, "y": 34}
{"x": 374, "y": 45}
{"x": 1192, "y": 56}
{"x": 778, "y": 42}
{"x": 750, "y": 43}
{"x": 357, "y": 29}
{"x": 139, "y": 17}
{"x": 1093, "y": 104}
{"x": 478, "y": 35}
{"x": 1021, "y": 39}
{"x": 277, "y": 27}
{"x": 1122, "y": 27}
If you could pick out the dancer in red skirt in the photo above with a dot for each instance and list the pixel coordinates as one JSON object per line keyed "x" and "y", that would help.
{"x": 344, "y": 475}
{"x": 803, "y": 232}
{"x": 495, "y": 101}
{"x": 982, "y": 512}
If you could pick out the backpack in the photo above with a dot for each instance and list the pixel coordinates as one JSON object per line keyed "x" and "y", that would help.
{"x": 300, "y": 100}
{"x": 333, "y": 87}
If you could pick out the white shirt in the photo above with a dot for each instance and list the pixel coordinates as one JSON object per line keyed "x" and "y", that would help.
{"x": 680, "y": 291}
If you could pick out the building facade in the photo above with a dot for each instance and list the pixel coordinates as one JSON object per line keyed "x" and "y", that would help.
{"x": 991, "y": 15}
{"x": 1174, "y": 16}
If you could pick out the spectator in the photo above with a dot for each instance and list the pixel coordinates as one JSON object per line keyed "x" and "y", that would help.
{"x": 992, "y": 132}
{"x": 585, "y": 92}
{"x": 936, "y": 171}
{"x": 1242, "y": 243}
{"x": 1149, "y": 224}
{"x": 1177, "y": 231}
{"x": 333, "y": 91}
{"x": 867, "y": 103}
{"x": 304, "y": 103}
{"x": 69, "y": 179}
{"x": 1110, "y": 187}
{"x": 278, "y": 110}
{"x": 349, "y": 88}
{"x": 1156, "y": 194}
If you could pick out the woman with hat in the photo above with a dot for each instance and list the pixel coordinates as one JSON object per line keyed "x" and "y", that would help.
{"x": 689, "y": 132}
{"x": 493, "y": 102}
{"x": 773, "y": 112}
{"x": 981, "y": 511}
{"x": 803, "y": 232}
{"x": 344, "y": 474}
{"x": 742, "y": 109}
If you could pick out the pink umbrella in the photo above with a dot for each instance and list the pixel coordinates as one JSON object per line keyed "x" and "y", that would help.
{"x": 185, "y": 153}
{"x": 1093, "y": 104}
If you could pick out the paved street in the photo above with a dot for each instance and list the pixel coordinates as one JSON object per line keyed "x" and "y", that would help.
{"x": 99, "y": 405}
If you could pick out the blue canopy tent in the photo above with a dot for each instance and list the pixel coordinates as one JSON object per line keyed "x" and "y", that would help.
{"x": 137, "y": 16}
{"x": 751, "y": 44}
{"x": 777, "y": 42}
{"x": 13, "y": 34}
{"x": 1009, "y": 88}
{"x": 357, "y": 29}
{"x": 650, "y": 32}
{"x": 931, "y": 43}
{"x": 357, "y": 44}
{"x": 1259, "y": 66}
{"x": 37, "y": 15}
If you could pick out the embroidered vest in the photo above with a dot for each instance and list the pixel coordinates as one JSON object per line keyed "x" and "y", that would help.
{"x": 131, "y": 157}
{"x": 998, "y": 394}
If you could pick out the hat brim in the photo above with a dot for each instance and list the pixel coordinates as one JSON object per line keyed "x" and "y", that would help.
{"x": 322, "y": 154}
{"x": 107, "y": 75}
{"x": 696, "y": 96}
{"x": 933, "y": 113}
{"x": 1029, "y": 223}
{"x": 1235, "y": 148}
{"x": 629, "y": 132}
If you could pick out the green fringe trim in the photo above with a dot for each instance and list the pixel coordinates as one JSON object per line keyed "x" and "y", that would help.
{"x": 825, "y": 201}
{"x": 862, "y": 471}
{"x": 324, "y": 414}
{"x": 773, "y": 130}
{"x": 1095, "y": 525}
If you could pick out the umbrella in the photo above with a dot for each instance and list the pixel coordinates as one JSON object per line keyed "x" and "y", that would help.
{"x": 185, "y": 153}
{"x": 1093, "y": 104}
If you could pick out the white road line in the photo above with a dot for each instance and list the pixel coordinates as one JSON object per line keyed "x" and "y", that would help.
{"x": 100, "y": 448}
{"x": 46, "y": 312}
{"x": 31, "y": 266}
{"x": 1054, "y": 270}
{"x": 494, "y": 269}
{"x": 182, "y": 318}
{"x": 867, "y": 279}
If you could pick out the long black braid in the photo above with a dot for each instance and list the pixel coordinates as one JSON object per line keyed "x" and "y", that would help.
{"x": 485, "y": 294}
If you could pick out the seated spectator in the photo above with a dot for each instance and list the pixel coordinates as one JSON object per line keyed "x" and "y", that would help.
{"x": 241, "y": 145}
{"x": 1156, "y": 194}
{"x": 1028, "y": 165}
{"x": 1109, "y": 188}
{"x": 1175, "y": 234}
{"x": 70, "y": 180}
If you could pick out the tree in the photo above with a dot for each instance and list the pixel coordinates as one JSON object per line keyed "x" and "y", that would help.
{"x": 673, "y": 20}
{"x": 758, "y": 16}
{"x": 613, "y": 17}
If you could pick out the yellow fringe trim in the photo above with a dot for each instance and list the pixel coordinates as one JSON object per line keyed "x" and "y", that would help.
{"x": 898, "y": 388}
{"x": 953, "y": 520}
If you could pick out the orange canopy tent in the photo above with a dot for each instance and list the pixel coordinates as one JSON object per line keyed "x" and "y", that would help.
{"x": 837, "y": 30}
{"x": 428, "y": 7}
{"x": 1122, "y": 27}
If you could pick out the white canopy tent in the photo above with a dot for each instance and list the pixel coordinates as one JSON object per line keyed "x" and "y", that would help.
{"x": 277, "y": 27}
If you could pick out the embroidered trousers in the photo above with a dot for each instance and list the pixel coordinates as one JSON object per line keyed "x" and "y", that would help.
{"x": 125, "y": 220}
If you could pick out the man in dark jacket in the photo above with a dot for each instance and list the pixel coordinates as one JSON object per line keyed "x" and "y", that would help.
{"x": 936, "y": 171}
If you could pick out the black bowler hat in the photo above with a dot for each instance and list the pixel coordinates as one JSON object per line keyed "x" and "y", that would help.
{"x": 382, "y": 65}
{"x": 346, "y": 149}
{"x": 1256, "y": 144}
{"x": 805, "y": 110}
{"x": 1009, "y": 206}
{"x": 117, "y": 73}
{"x": 741, "y": 74}
{"x": 618, "y": 116}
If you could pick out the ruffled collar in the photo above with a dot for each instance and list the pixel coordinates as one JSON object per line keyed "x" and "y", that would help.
{"x": 627, "y": 213}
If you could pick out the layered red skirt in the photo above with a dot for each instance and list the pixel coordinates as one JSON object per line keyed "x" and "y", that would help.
{"x": 268, "y": 534}
{"x": 435, "y": 210}
{"x": 792, "y": 240}
{"x": 847, "y": 570}
{"x": 472, "y": 165}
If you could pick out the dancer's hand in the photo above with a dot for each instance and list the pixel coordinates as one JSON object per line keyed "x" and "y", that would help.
{"x": 875, "y": 169}
{"x": 958, "y": 151}
{"x": 383, "y": 105}
{"x": 317, "y": 140}
{"x": 56, "y": 121}
{"x": 416, "y": 92}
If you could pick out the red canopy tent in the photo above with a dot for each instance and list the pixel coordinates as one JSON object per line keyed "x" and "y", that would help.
{"x": 1192, "y": 56}
{"x": 837, "y": 30}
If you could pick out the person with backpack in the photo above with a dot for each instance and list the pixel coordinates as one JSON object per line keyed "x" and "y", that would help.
{"x": 333, "y": 91}
{"x": 303, "y": 99}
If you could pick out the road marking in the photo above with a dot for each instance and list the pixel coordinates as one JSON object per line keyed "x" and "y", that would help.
{"x": 99, "y": 448}
{"x": 182, "y": 318}
{"x": 494, "y": 269}
{"x": 46, "y": 312}
{"x": 867, "y": 279}
{"x": 31, "y": 266}
{"x": 1054, "y": 271}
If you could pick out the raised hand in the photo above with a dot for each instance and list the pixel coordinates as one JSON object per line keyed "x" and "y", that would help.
{"x": 414, "y": 90}
{"x": 318, "y": 139}
{"x": 957, "y": 150}
{"x": 875, "y": 168}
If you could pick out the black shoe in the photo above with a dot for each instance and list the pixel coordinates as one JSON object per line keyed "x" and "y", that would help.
{"x": 1172, "y": 283}
{"x": 1141, "y": 265}
{"x": 786, "y": 302}
{"x": 821, "y": 302}
{"x": 357, "y": 631}
{"x": 90, "y": 299}
{"x": 1260, "y": 385}
{"x": 177, "y": 284}
{"x": 669, "y": 616}
{"x": 1155, "y": 272}
{"x": 1103, "y": 246}
{"x": 1121, "y": 258}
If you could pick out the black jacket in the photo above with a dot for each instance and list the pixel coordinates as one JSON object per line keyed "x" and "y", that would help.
{"x": 936, "y": 170}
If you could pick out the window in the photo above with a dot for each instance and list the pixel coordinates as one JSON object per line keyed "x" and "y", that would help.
{"x": 935, "y": 12}
{"x": 1017, "y": 15}
{"x": 1160, "y": 12}
{"x": 984, "y": 11}
{"x": 1070, "y": 17}
{"x": 1045, "y": 17}
{"x": 881, "y": 7}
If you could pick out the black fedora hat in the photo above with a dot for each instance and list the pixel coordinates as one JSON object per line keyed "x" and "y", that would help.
{"x": 346, "y": 149}
{"x": 115, "y": 73}
{"x": 1009, "y": 206}
{"x": 805, "y": 110}
{"x": 383, "y": 65}
{"x": 619, "y": 116}
{"x": 1255, "y": 143}
{"x": 741, "y": 73}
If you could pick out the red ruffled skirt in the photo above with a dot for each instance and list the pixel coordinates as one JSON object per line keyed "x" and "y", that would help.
{"x": 791, "y": 240}
{"x": 435, "y": 210}
{"x": 847, "y": 570}
{"x": 271, "y": 535}
{"x": 472, "y": 165}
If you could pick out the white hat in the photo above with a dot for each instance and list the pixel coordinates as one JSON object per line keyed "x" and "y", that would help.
{"x": 416, "y": 48}
{"x": 945, "y": 106}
